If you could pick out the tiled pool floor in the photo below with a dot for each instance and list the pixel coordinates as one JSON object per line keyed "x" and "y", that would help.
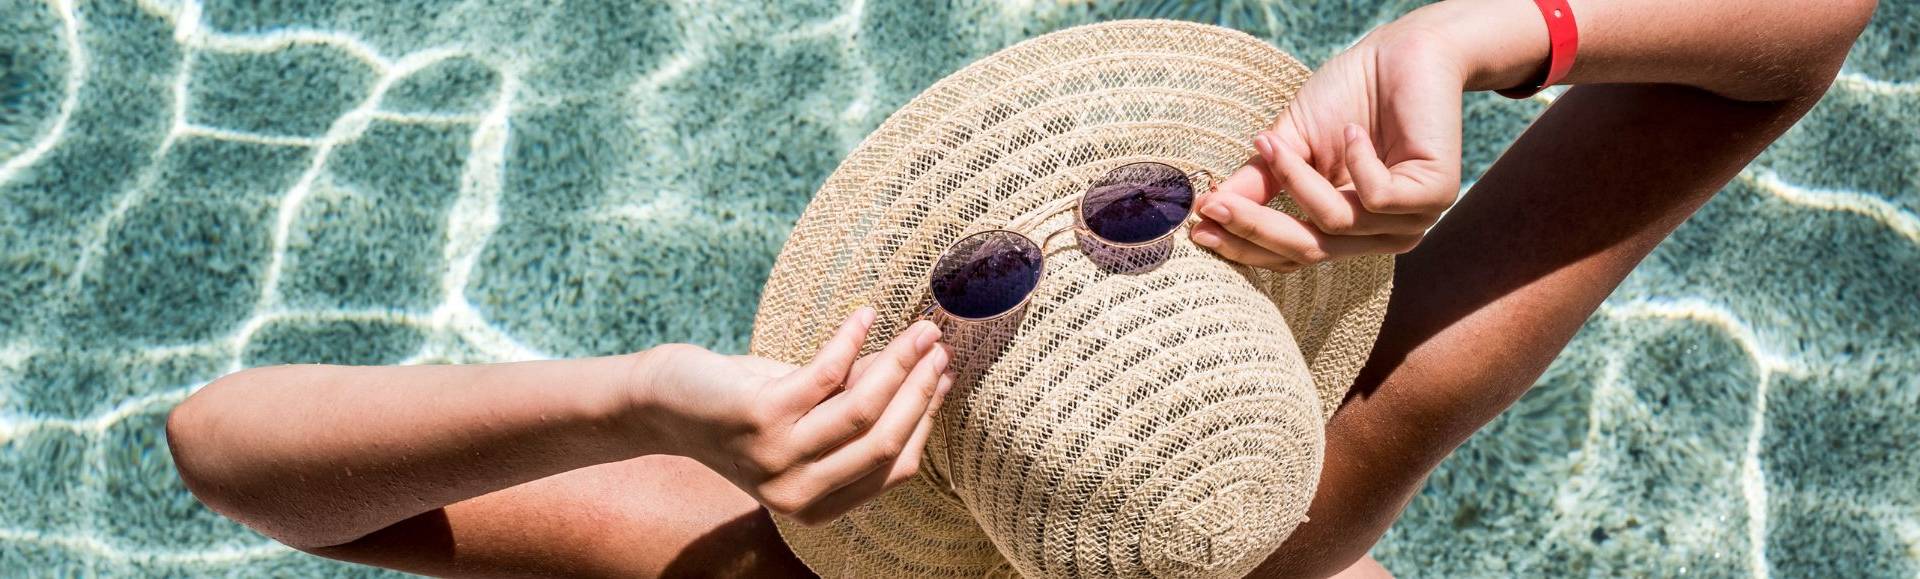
{"x": 188, "y": 187}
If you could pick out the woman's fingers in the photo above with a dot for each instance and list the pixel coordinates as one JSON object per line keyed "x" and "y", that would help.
{"x": 860, "y": 367}
{"x": 864, "y": 401}
{"x": 1311, "y": 191}
{"x": 878, "y": 481}
{"x": 1293, "y": 240}
{"x": 837, "y": 503}
{"x": 1385, "y": 191}
{"x": 1332, "y": 210}
{"x": 883, "y": 447}
{"x": 832, "y": 366}
{"x": 1271, "y": 230}
{"x": 887, "y": 439}
{"x": 1213, "y": 236}
{"x": 909, "y": 462}
{"x": 1252, "y": 181}
{"x": 1371, "y": 178}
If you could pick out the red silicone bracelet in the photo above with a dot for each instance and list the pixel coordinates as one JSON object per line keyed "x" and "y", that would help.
{"x": 1563, "y": 40}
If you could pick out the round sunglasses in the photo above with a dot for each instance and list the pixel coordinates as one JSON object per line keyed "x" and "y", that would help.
{"x": 993, "y": 273}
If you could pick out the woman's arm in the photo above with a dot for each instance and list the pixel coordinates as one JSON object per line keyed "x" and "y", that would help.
{"x": 1503, "y": 283}
{"x": 1745, "y": 50}
{"x": 317, "y": 456}
{"x": 320, "y": 455}
{"x": 1370, "y": 149}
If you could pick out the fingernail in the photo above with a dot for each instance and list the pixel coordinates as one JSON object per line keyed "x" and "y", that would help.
{"x": 940, "y": 358}
{"x": 1353, "y": 132}
{"x": 865, "y": 315}
{"x": 1216, "y": 211}
{"x": 1206, "y": 238}
{"x": 1261, "y": 144}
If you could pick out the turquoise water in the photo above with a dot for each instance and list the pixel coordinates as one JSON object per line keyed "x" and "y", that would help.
{"x": 189, "y": 187}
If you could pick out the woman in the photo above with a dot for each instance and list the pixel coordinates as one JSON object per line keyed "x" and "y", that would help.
{"x": 501, "y": 475}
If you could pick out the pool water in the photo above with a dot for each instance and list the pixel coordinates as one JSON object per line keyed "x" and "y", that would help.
{"x": 189, "y": 187}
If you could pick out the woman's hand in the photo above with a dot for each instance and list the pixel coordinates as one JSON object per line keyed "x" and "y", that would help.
{"x": 1369, "y": 150}
{"x": 809, "y": 442}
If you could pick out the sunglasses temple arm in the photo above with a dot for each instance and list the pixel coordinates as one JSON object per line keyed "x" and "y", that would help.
{"x": 1206, "y": 183}
{"x": 934, "y": 313}
{"x": 931, "y": 312}
{"x": 1205, "y": 178}
{"x": 941, "y": 477}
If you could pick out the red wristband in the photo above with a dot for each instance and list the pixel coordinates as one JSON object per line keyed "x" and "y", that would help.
{"x": 1563, "y": 41}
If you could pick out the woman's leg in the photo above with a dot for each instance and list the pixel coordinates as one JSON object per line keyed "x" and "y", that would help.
{"x": 1502, "y": 283}
{"x": 655, "y": 516}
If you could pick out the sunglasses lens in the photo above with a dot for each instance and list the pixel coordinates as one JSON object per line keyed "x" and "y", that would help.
{"x": 987, "y": 274}
{"x": 1137, "y": 203}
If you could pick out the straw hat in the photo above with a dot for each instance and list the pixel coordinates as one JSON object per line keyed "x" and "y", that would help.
{"x": 1151, "y": 412}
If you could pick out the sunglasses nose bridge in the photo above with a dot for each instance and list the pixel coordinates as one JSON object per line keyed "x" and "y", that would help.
{"x": 1048, "y": 240}
{"x": 1040, "y": 215}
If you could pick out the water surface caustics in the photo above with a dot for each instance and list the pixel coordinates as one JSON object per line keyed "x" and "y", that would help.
{"x": 188, "y": 188}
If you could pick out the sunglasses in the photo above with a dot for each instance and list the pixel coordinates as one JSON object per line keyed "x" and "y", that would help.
{"x": 993, "y": 273}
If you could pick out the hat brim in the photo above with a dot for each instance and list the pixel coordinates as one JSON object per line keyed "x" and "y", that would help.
{"x": 860, "y": 244}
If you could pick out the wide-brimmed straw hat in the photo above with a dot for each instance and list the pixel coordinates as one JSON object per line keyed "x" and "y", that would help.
{"x": 1151, "y": 411}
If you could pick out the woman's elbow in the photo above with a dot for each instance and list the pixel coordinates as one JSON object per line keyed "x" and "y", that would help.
{"x": 1805, "y": 56}
{"x": 1840, "y": 23}
{"x": 1857, "y": 12}
{"x": 193, "y": 439}
{"x": 211, "y": 437}
{"x": 209, "y": 453}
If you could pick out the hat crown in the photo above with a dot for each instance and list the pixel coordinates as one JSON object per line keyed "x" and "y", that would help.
{"x": 1137, "y": 419}
{"x": 1216, "y": 533}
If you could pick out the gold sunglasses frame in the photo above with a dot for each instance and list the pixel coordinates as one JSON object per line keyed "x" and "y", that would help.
{"x": 1195, "y": 180}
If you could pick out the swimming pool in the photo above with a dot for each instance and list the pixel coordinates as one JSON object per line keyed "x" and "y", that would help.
{"x": 188, "y": 187}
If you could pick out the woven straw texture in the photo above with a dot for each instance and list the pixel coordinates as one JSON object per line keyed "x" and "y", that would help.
{"x": 1153, "y": 411}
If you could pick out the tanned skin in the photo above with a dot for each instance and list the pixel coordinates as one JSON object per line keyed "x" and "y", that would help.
{"x": 504, "y": 477}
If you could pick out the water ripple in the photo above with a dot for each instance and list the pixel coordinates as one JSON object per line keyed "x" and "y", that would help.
{"x": 1871, "y": 206}
{"x": 1753, "y": 479}
{"x": 1855, "y": 81}
{"x": 94, "y": 545}
{"x": 76, "y": 75}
